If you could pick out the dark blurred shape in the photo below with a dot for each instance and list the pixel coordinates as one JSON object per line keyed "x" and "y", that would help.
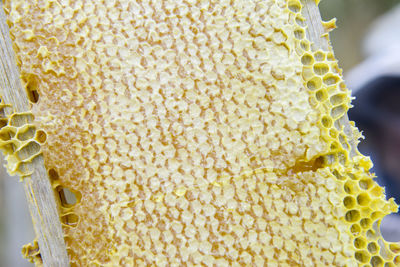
{"x": 376, "y": 112}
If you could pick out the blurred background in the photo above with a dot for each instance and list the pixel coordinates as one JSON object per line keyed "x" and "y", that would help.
{"x": 354, "y": 20}
{"x": 359, "y": 43}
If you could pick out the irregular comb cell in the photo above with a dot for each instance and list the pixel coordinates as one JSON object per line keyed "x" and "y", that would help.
{"x": 196, "y": 132}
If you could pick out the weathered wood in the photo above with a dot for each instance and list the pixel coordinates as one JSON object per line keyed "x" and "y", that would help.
{"x": 38, "y": 190}
{"x": 316, "y": 34}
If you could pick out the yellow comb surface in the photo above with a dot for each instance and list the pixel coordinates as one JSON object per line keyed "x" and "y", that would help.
{"x": 197, "y": 133}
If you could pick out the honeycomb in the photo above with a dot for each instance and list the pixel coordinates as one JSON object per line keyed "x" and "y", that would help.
{"x": 195, "y": 132}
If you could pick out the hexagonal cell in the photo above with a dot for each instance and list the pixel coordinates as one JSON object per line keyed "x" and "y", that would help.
{"x": 20, "y": 119}
{"x": 294, "y": 6}
{"x": 68, "y": 197}
{"x": 27, "y": 151}
{"x": 352, "y": 215}
{"x": 377, "y": 261}
{"x": 26, "y": 133}
{"x": 362, "y": 256}
{"x": 321, "y": 95}
{"x": 307, "y": 59}
{"x": 363, "y": 199}
{"x": 319, "y": 56}
{"x": 331, "y": 79}
{"x": 299, "y": 33}
{"x": 372, "y": 247}
{"x": 355, "y": 229}
{"x": 349, "y": 202}
{"x": 366, "y": 183}
{"x": 41, "y": 136}
{"x": 70, "y": 219}
{"x": 365, "y": 223}
{"x": 360, "y": 242}
{"x": 31, "y": 86}
{"x": 8, "y": 134}
{"x": 314, "y": 84}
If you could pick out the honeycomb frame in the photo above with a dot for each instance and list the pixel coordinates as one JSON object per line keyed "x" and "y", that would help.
{"x": 230, "y": 121}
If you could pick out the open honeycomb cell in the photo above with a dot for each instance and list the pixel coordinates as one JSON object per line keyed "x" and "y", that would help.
{"x": 194, "y": 132}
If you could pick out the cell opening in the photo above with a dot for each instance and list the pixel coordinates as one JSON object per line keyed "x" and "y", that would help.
{"x": 395, "y": 248}
{"x": 338, "y": 175}
{"x": 333, "y": 132}
{"x": 68, "y": 198}
{"x": 365, "y": 223}
{"x": 362, "y": 256}
{"x": 376, "y": 261}
{"x": 355, "y": 229}
{"x": 359, "y": 242}
{"x": 33, "y": 96}
{"x": 352, "y": 215}
{"x": 9, "y": 147}
{"x": 299, "y": 34}
{"x": 321, "y": 68}
{"x": 337, "y": 99}
{"x": 372, "y": 247}
{"x": 305, "y": 45}
{"x": 41, "y": 136}
{"x": 371, "y": 234}
{"x": 25, "y": 167}
{"x": 311, "y": 85}
{"x": 365, "y": 184}
{"x": 27, "y": 134}
{"x": 300, "y": 21}
{"x": 19, "y": 120}
{"x": 314, "y": 84}
{"x": 349, "y": 202}
{"x": 330, "y": 158}
{"x": 307, "y": 59}
{"x": 375, "y": 215}
{"x": 363, "y": 199}
{"x": 32, "y": 148}
{"x": 6, "y": 136}
{"x": 70, "y": 219}
{"x": 3, "y": 122}
{"x": 338, "y": 111}
{"x": 334, "y": 145}
{"x": 31, "y": 89}
{"x": 349, "y": 187}
{"x": 320, "y": 95}
{"x": 342, "y": 158}
{"x": 331, "y": 79}
{"x": 294, "y": 6}
{"x": 319, "y": 56}
{"x": 53, "y": 174}
{"x": 326, "y": 122}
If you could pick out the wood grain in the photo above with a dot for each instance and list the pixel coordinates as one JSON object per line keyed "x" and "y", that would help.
{"x": 39, "y": 193}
